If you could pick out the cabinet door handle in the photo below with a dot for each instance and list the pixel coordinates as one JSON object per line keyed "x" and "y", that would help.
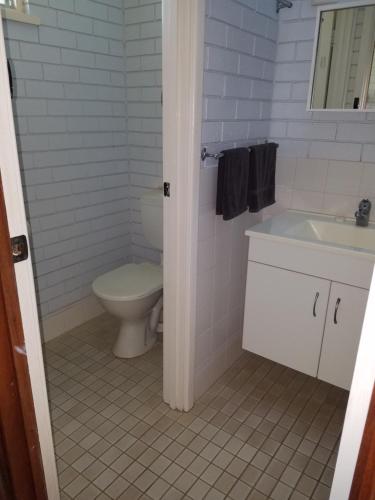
{"x": 315, "y": 301}
{"x": 336, "y": 309}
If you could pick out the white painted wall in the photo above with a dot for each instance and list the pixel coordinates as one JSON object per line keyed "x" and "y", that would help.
{"x": 326, "y": 159}
{"x": 239, "y": 63}
{"x": 70, "y": 117}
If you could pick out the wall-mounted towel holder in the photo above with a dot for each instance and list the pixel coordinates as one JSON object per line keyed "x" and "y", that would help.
{"x": 217, "y": 156}
{"x": 205, "y": 155}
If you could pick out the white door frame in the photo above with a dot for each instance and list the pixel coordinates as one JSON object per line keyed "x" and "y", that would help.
{"x": 183, "y": 48}
{"x": 14, "y": 201}
{"x": 358, "y": 405}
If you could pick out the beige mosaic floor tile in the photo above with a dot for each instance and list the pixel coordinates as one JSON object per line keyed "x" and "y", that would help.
{"x": 261, "y": 432}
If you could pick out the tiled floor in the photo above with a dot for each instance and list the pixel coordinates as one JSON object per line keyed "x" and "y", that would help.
{"x": 261, "y": 432}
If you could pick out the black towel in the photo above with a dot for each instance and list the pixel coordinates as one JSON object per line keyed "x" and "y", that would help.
{"x": 261, "y": 191}
{"x": 232, "y": 183}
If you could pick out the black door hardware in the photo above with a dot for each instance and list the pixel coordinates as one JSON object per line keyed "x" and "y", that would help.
{"x": 10, "y": 78}
{"x": 167, "y": 189}
{"x": 20, "y": 249}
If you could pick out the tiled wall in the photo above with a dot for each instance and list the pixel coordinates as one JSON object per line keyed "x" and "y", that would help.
{"x": 239, "y": 63}
{"x": 87, "y": 156}
{"x": 71, "y": 129}
{"x": 143, "y": 63}
{"x": 326, "y": 159}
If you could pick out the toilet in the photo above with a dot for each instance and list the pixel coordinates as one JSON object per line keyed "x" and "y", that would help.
{"x": 134, "y": 292}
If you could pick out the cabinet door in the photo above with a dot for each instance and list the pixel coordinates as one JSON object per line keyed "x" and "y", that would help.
{"x": 346, "y": 311}
{"x": 284, "y": 316}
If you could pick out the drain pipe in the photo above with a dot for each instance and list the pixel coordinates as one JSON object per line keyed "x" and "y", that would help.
{"x": 155, "y": 314}
{"x": 154, "y": 318}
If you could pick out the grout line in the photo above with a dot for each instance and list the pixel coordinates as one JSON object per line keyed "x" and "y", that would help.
{"x": 269, "y": 391}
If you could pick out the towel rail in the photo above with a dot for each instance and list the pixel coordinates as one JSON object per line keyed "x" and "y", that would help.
{"x": 217, "y": 156}
{"x": 205, "y": 155}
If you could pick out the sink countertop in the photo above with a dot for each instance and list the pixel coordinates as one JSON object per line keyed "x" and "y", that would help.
{"x": 318, "y": 231}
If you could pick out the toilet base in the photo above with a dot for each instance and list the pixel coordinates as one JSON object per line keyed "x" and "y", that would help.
{"x": 130, "y": 341}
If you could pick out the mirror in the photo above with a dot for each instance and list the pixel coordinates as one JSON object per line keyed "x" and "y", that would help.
{"x": 344, "y": 62}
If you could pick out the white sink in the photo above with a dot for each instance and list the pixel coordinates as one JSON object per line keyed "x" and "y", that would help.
{"x": 339, "y": 233}
{"x": 310, "y": 229}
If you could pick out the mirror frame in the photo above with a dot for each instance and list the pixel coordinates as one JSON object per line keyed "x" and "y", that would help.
{"x": 320, "y": 10}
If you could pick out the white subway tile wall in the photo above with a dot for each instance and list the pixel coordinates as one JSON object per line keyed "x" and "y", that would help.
{"x": 89, "y": 130}
{"x": 70, "y": 118}
{"x": 326, "y": 159}
{"x": 240, "y": 48}
{"x": 143, "y": 33}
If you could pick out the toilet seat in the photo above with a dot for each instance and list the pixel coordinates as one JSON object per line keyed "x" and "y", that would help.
{"x": 129, "y": 282}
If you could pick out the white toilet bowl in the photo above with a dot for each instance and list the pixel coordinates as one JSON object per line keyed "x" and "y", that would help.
{"x": 133, "y": 293}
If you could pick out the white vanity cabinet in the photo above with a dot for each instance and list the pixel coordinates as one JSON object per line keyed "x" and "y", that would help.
{"x": 308, "y": 323}
{"x": 284, "y": 316}
{"x": 307, "y": 286}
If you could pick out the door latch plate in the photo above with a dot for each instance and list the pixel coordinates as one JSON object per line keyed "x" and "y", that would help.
{"x": 20, "y": 249}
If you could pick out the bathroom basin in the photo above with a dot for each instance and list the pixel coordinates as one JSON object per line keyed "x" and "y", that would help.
{"x": 315, "y": 230}
{"x": 339, "y": 233}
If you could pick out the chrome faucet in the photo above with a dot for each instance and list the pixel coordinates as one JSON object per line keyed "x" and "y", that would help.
{"x": 362, "y": 215}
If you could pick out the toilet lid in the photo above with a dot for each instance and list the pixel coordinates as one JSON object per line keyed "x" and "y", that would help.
{"x": 129, "y": 282}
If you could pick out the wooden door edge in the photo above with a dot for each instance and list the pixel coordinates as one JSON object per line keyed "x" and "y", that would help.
{"x": 12, "y": 319}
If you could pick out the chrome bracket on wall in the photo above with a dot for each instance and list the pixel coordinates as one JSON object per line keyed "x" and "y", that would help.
{"x": 281, "y": 4}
